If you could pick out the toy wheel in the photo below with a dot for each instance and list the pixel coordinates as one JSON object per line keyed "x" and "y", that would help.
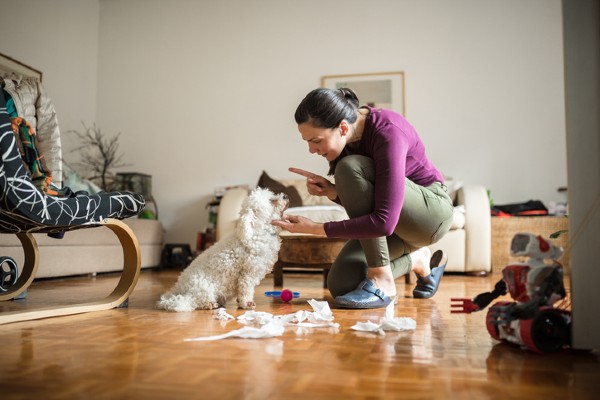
{"x": 8, "y": 273}
{"x": 490, "y": 319}
{"x": 548, "y": 331}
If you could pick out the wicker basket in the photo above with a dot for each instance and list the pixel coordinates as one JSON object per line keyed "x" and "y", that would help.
{"x": 504, "y": 228}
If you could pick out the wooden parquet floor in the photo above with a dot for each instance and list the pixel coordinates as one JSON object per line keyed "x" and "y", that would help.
{"x": 141, "y": 353}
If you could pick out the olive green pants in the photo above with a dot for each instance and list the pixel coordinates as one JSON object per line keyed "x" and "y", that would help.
{"x": 425, "y": 218}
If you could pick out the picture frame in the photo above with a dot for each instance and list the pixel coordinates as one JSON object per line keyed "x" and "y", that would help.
{"x": 8, "y": 64}
{"x": 379, "y": 90}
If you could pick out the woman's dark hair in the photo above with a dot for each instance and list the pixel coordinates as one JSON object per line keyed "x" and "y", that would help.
{"x": 326, "y": 108}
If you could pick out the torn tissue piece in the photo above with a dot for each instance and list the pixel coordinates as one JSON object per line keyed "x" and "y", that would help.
{"x": 367, "y": 327}
{"x": 259, "y": 317}
{"x": 318, "y": 325}
{"x": 222, "y": 315}
{"x": 390, "y": 311}
{"x": 322, "y": 312}
{"x": 274, "y": 325}
{"x": 399, "y": 324}
{"x": 395, "y": 324}
{"x": 269, "y": 330}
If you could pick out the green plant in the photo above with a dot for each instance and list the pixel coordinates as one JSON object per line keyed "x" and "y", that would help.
{"x": 556, "y": 234}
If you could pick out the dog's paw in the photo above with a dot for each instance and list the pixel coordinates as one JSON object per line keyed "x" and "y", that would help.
{"x": 247, "y": 305}
{"x": 209, "y": 305}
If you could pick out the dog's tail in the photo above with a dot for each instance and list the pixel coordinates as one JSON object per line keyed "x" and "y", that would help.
{"x": 177, "y": 302}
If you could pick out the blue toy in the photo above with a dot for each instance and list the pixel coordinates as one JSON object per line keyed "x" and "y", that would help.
{"x": 284, "y": 295}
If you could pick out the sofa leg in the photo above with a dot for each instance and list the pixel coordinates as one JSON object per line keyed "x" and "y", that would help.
{"x": 481, "y": 273}
{"x": 278, "y": 275}
{"x": 409, "y": 278}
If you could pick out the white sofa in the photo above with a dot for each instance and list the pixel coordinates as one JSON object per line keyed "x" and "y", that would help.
{"x": 468, "y": 244}
{"x": 88, "y": 251}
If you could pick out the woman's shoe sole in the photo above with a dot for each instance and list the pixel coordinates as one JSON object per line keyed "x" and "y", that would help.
{"x": 436, "y": 260}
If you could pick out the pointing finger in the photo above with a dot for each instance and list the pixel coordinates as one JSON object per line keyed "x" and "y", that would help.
{"x": 302, "y": 172}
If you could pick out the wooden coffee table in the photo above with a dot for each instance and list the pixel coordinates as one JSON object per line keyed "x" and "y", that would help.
{"x": 306, "y": 252}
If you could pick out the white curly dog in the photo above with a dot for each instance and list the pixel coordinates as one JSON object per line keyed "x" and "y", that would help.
{"x": 235, "y": 265}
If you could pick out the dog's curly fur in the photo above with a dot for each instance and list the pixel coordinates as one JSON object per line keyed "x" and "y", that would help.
{"x": 235, "y": 265}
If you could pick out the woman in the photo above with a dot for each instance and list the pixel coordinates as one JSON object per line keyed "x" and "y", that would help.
{"x": 394, "y": 195}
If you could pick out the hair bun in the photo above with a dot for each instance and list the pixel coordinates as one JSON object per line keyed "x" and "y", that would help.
{"x": 349, "y": 95}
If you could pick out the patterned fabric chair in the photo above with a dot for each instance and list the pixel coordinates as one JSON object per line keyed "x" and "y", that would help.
{"x": 25, "y": 210}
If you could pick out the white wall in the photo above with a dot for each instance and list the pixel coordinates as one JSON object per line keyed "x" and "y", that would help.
{"x": 204, "y": 92}
{"x": 60, "y": 38}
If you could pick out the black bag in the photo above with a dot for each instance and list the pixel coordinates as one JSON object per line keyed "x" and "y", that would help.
{"x": 530, "y": 208}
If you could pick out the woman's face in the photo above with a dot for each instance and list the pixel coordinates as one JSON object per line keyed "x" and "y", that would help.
{"x": 327, "y": 143}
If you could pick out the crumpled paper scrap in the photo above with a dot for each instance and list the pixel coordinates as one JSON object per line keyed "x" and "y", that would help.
{"x": 222, "y": 315}
{"x": 396, "y": 324}
{"x": 258, "y": 317}
{"x": 268, "y": 330}
{"x": 321, "y": 309}
{"x": 271, "y": 326}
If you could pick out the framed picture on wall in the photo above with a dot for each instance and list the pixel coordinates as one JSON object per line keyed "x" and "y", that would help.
{"x": 8, "y": 64}
{"x": 380, "y": 90}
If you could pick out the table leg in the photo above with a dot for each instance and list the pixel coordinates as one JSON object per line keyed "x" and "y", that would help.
{"x": 278, "y": 274}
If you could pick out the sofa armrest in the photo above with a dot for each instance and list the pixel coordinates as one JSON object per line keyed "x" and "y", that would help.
{"x": 229, "y": 211}
{"x": 478, "y": 231}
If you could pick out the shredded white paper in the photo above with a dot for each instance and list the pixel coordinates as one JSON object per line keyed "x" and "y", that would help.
{"x": 396, "y": 324}
{"x": 267, "y": 325}
{"x": 222, "y": 315}
{"x": 270, "y": 325}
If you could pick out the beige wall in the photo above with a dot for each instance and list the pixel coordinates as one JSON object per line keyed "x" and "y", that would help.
{"x": 60, "y": 38}
{"x": 204, "y": 91}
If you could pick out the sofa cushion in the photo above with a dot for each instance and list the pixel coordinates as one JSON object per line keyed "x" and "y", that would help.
{"x": 318, "y": 213}
{"x": 458, "y": 218}
{"x": 453, "y": 186}
{"x": 307, "y": 198}
{"x": 266, "y": 182}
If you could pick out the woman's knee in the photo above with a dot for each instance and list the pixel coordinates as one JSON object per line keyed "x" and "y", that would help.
{"x": 354, "y": 181}
{"x": 352, "y": 168}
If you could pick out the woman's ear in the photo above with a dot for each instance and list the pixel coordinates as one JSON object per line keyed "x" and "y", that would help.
{"x": 344, "y": 128}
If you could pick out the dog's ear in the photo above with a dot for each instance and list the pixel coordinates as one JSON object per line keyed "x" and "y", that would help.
{"x": 245, "y": 226}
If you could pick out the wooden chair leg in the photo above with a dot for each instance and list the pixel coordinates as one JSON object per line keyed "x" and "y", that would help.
{"x": 129, "y": 277}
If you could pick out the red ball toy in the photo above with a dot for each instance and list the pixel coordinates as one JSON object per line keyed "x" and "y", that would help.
{"x": 286, "y": 295}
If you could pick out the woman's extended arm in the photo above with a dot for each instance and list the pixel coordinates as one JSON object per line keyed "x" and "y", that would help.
{"x": 298, "y": 224}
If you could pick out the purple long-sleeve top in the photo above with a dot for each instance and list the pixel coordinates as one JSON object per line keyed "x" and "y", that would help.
{"x": 398, "y": 153}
